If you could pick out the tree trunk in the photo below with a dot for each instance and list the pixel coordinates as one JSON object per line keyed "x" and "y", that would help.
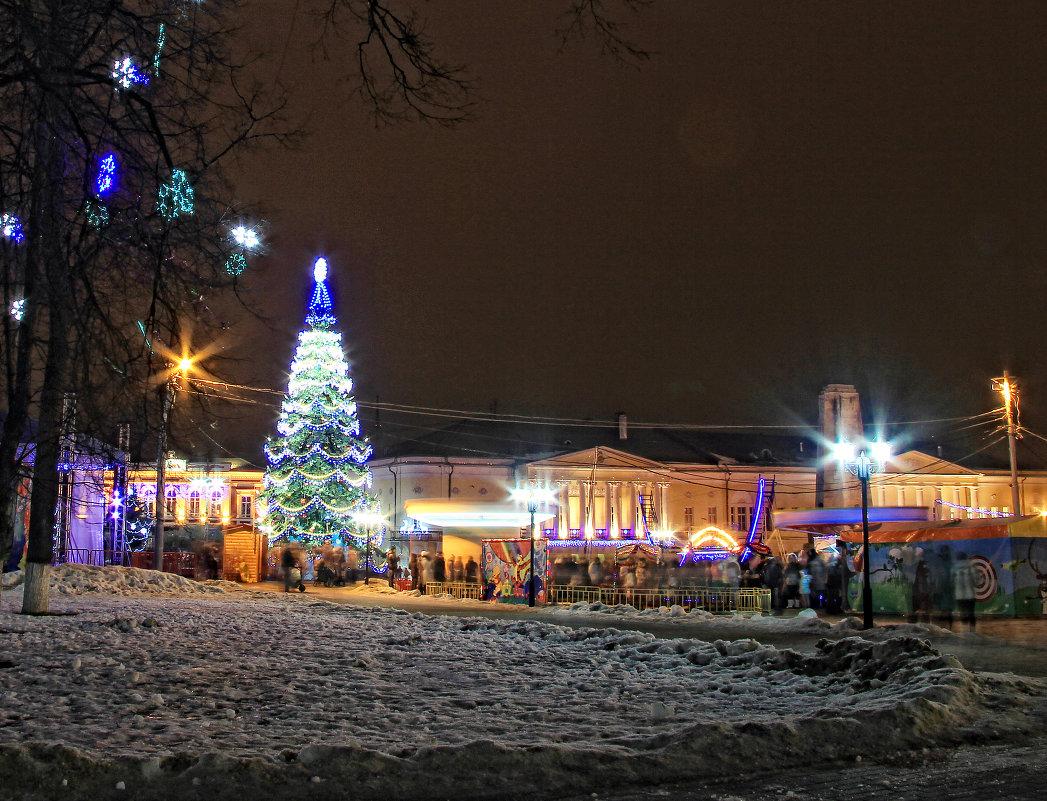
{"x": 36, "y": 596}
{"x": 44, "y": 497}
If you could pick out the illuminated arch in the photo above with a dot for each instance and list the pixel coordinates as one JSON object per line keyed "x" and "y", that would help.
{"x": 711, "y": 536}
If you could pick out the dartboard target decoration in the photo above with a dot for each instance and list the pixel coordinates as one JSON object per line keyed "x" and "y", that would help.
{"x": 985, "y": 583}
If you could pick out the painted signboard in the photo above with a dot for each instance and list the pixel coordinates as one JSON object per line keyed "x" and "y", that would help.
{"x": 506, "y": 566}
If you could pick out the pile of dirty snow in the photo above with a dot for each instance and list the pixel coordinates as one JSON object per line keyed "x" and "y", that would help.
{"x": 265, "y": 695}
{"x": 73, "y": 579}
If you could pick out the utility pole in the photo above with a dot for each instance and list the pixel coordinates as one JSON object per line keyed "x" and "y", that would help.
{"x": 1009, "y": 389}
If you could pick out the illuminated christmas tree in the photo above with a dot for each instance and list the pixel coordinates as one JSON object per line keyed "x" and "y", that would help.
{"x": 316, "y": 484}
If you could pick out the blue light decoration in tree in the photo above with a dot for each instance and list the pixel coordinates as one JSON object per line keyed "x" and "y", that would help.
{"x": 316, "y": 484}
{"x": 236, "y": 264}
{"x": 11, "y": 228}
{"x": 126, "y": 74}
{"x": 106, "y": 179}
{"x": 175, "y": 198}
{"x": 161, "y": 37}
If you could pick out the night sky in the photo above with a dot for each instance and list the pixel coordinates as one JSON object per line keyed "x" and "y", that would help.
{"x": 786, "y": 195}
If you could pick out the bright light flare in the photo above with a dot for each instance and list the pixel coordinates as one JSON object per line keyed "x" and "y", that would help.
{"x": 844, "y": 452}
{"x": 369, "y": 519}
{"x": 245, "y": 237}
{"x": 320, "y": 270}
{"x": 533, "y": 495}
{"x": 880, "y": 451}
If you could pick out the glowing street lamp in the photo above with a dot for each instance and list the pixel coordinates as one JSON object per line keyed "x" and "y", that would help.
{"x": 864, "y": 462}
{"x": 370, "y": 520}
{"x": 532, "y": 496}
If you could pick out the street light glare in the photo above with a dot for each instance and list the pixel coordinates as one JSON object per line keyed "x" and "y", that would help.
{"x": 880, "y": 451}
{"x": 185, "y": 365}
{"x": 533, "y": 495}
{"x": 843, "y": 452}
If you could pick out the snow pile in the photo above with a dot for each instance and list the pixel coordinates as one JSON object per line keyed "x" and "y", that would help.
{"x": 806, "y": 622}
{"x": 265, "y": 695}
{"x": 72, "y": 579}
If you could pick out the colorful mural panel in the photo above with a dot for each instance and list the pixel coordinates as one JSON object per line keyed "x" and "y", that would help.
{"x": 506, "y": 566}
{"x": 915, "y": 573}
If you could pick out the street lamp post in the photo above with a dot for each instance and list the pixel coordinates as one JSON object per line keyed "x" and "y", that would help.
{"x": 864, "y": 463}
{"x": 370, "y": 520}
{"x": 160, "y": 505}
{"x": 532, "y": 496}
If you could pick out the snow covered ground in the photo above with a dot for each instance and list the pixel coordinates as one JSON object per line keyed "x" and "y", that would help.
{"x": 163, "y": 687}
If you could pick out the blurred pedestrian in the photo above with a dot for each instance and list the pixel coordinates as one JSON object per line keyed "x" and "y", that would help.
{"x": 292, "y": 570}
{"x": 963, "y": 589}
{"x": 412, "y": 565}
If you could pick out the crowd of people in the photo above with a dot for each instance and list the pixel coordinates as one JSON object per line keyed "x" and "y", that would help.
{"x": 806, "y": 580}
{"x": 803, "y": 580}
{"x": 329, "y": 565}
{"x": 426, "y": 568}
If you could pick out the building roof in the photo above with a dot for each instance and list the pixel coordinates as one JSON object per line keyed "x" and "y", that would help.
{"x": 533, "y": 442}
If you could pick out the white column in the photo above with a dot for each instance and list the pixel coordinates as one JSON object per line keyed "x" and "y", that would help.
{"x": 563, "y": 510}
{"x": 881, "y": 496}
{"x": 919, "y": 496}
{"x": 974, "y": 502}
{"x": 958, "y": 499}
{"x": 634, "y": 506}
{"x": 663, "y": 503}
{"x": 614, "y": 490}
{"x": 901, "y": 495}
{"x": 607, "y": 507}
{"x": 582, "y": 508}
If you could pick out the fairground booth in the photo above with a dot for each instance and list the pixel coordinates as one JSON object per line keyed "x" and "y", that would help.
{"x": 911, "y": 563}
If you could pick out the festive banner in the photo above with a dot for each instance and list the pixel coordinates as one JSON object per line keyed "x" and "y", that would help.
{"x": 913, "y": 571}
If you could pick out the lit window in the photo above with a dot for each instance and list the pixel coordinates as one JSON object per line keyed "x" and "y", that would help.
{"x": 194, "y": 503}
{"x": 215, "y": 509}
{"x": 740, "y": 516}
{"x": 711, "y": 517}
{"x": 171, "y": 503}
{"x": 688, "y": 517}
{"x": 245, "y": 506}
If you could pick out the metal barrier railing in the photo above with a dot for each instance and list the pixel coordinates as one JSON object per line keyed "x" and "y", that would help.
{"x": 718, "y": 600}
{"x": 456, "y": 589}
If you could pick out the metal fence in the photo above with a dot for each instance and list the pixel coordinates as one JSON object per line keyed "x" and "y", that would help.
{"x": 457, "y": 589}
{"x": 718, "y": 600}
{"x": 185, "y": 563}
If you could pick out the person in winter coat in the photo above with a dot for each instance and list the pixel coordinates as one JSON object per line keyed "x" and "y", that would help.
{"x": 392, "y": 558}
{"x": 579, "y": 573}
{"x": 922, "y": 592}
{"x": 596, "y": 572}
{"x": 412, "y": 565}
{"x": 472, "y": 571}
{"x": 439, "y": 567}
{"x": 817, "y": 571}
{"x": 292, "y": 570}
{"x": 791, "y": 582}
{"x": 772, "y": 580}
{"x": 428, "y": 570}
{"x": 963, "y": 589}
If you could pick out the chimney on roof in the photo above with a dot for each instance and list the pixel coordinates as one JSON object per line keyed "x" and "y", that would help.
{"x": 623, "y": 426}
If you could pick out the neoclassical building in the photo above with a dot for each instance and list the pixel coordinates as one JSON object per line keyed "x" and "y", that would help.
{"x": 451, "y": 488}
